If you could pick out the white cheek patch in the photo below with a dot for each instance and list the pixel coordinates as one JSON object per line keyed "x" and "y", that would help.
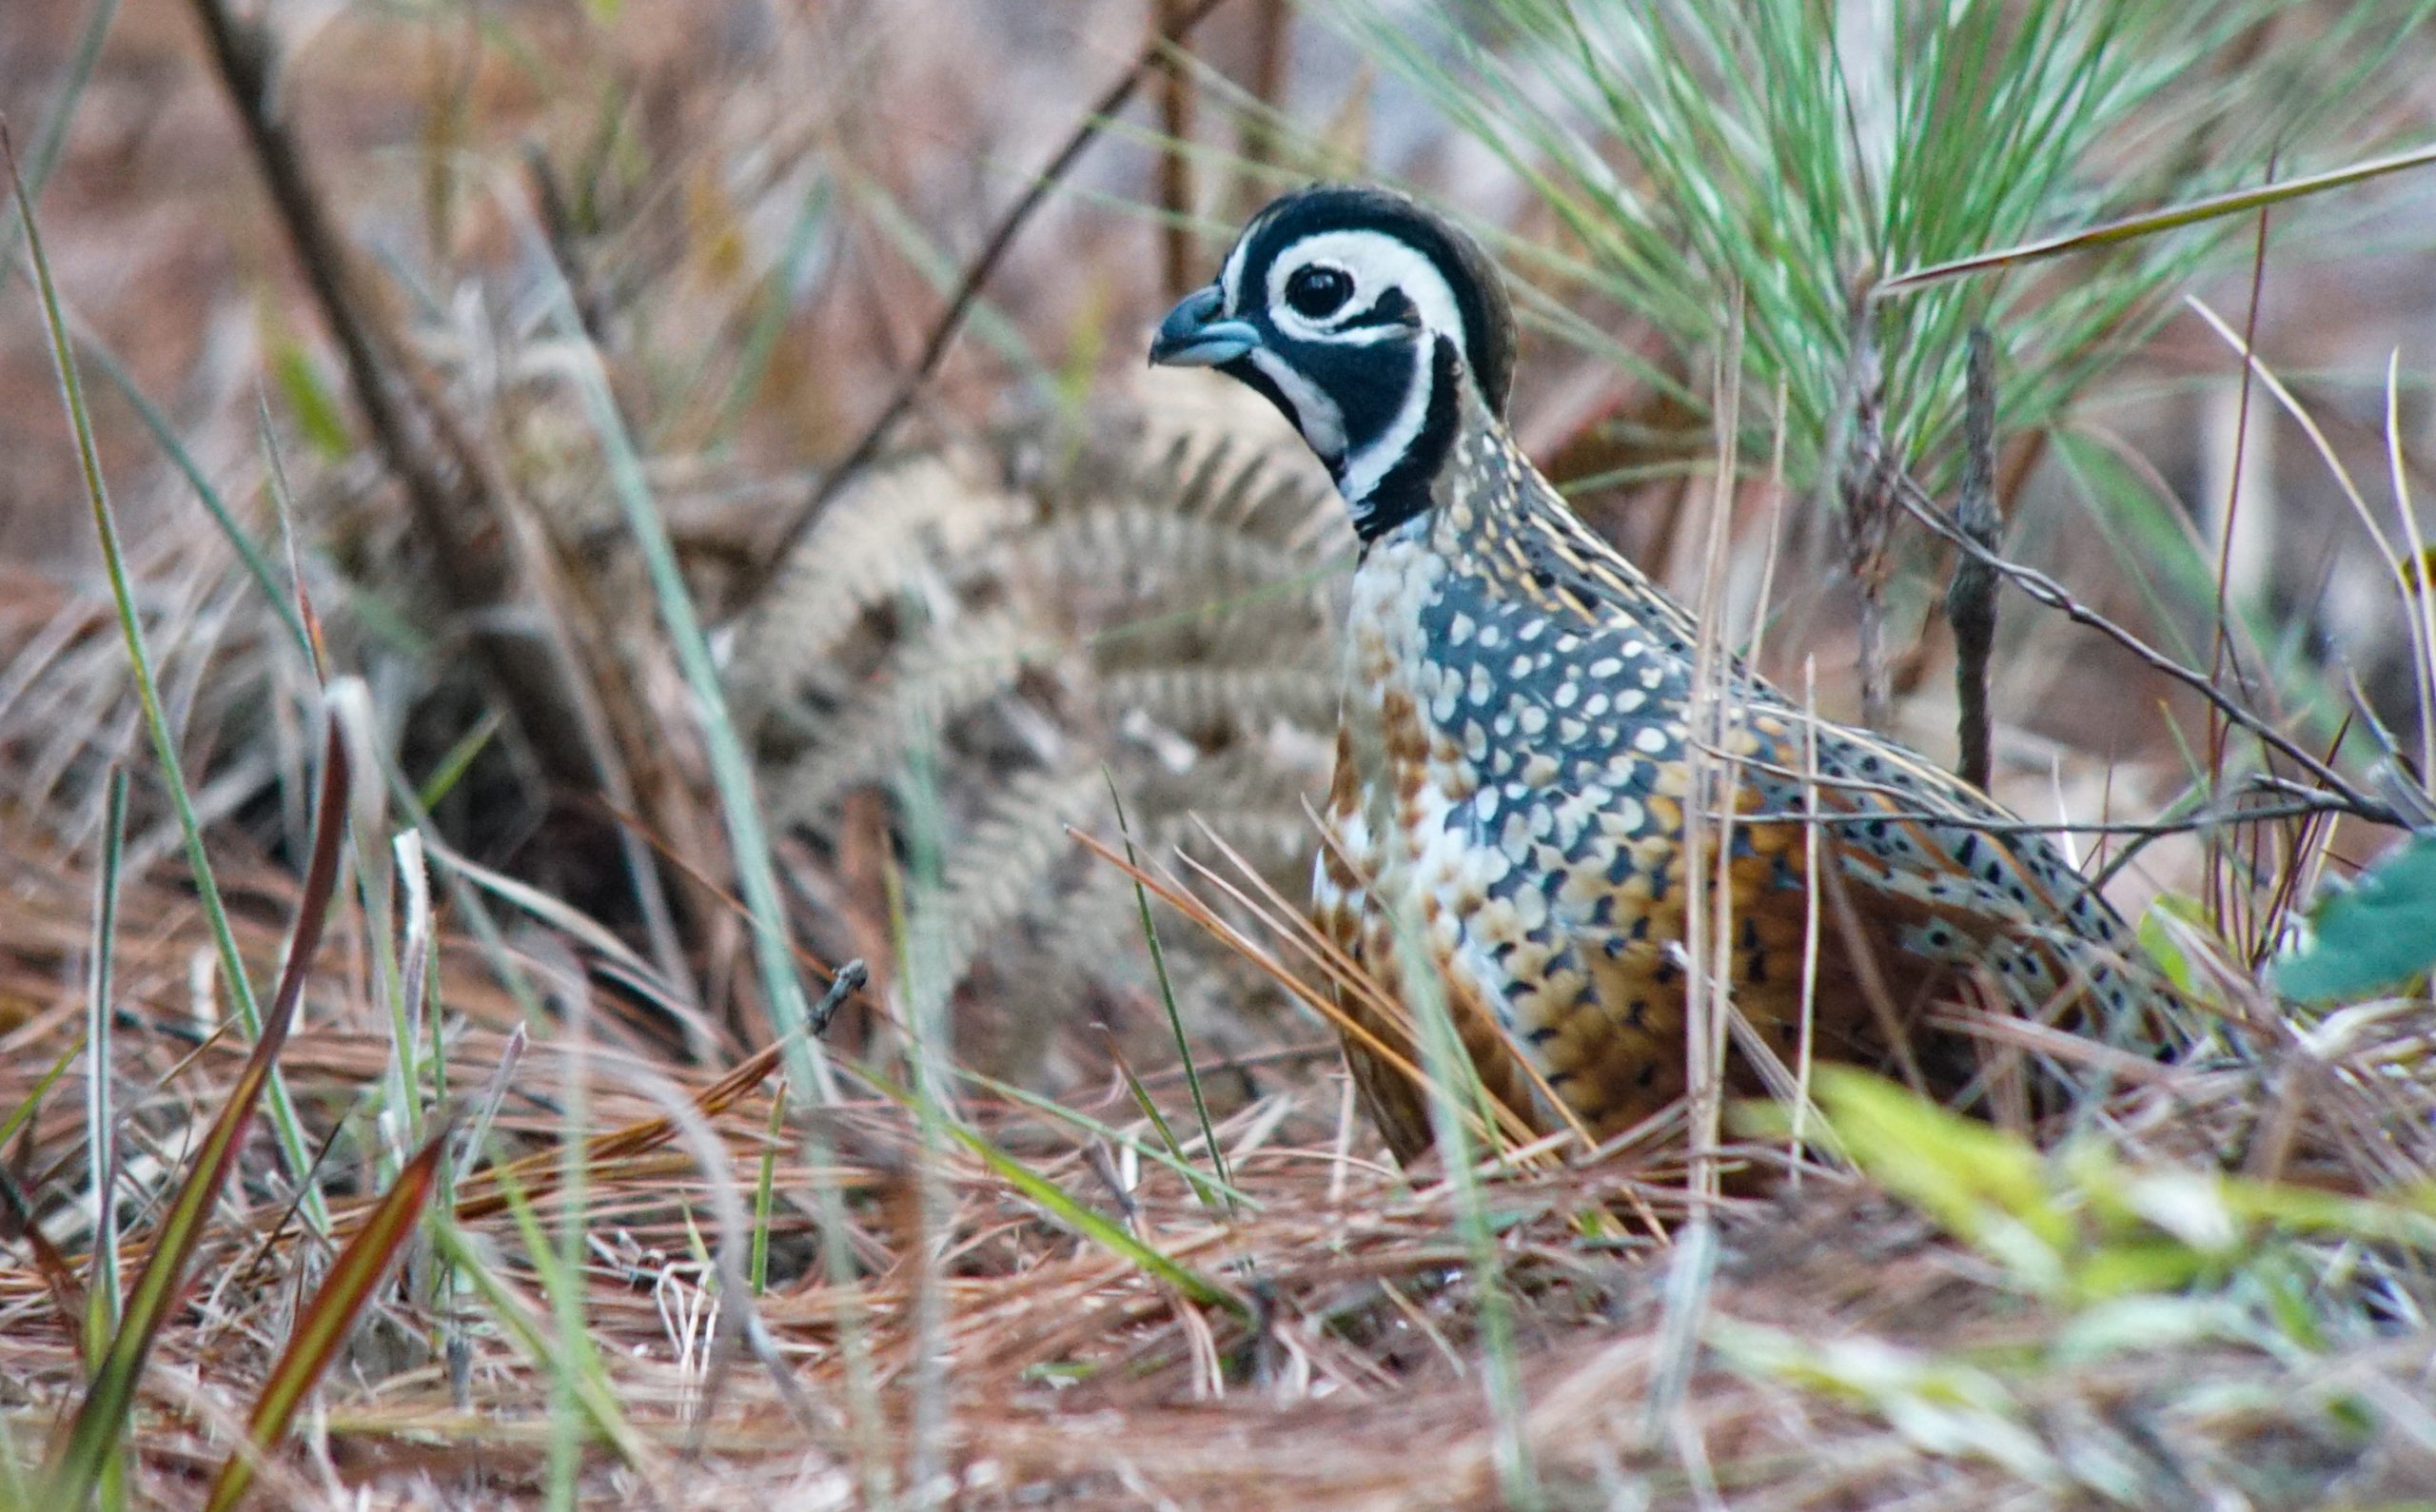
{"x": 1315, "y": 415}
{"x": 1377, "y": 262}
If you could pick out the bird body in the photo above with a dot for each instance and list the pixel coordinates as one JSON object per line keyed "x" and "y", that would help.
{"x": 1514, "y": 812}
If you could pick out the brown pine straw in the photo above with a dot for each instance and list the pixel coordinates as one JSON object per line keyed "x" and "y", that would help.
{"x": 1075, "y": 1380}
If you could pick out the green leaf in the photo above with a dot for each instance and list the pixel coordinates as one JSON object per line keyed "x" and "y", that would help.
{"x": 2171, "y": 919}
{"x": 1984, "y": 1184}
{"x": 2374, "y": 935}
{"x": 318, "y": 416}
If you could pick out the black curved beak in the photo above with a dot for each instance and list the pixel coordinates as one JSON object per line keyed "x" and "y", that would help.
{"x": 1191, "y": 336}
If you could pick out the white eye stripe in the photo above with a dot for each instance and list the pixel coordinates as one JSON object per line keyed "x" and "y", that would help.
{"x": 1376, "y": 262}
{"x": 1230, "y": 277}
{"x": 1370, "y": 334}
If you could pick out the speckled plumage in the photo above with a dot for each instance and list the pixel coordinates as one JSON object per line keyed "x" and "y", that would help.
{"x": 1514, "y": 765}
{"x": 1512, "y": 769}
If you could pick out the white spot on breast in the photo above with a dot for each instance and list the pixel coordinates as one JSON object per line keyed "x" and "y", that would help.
{"x": 1650, "y": 738}
{"x": 1623, "y": 818}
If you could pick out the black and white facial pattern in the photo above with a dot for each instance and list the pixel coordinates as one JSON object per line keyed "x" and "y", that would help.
{"x": 1364, "y": 306}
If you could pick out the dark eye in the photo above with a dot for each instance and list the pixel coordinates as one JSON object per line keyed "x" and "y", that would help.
{"x": 1319, "y": 290}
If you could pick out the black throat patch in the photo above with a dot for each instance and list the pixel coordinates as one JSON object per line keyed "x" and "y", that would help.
{"x": 1404, "y": 492}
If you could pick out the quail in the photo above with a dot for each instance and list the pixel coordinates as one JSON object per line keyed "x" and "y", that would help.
{"x": 1512, "y": 808}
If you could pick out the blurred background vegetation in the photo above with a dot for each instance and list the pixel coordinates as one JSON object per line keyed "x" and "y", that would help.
{"x": 970, "y": 576}
{"x": 1055, "y": 565}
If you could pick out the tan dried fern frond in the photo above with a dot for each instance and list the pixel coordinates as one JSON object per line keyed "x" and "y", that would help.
{"x": 1005, "y": 865}
{"x": 1215, "y": 702}
{"x": 1149, "y": 544}
{"x": 1145, "y": 599}
{"x": 913, "y": 527}
{"x": 924, "y": 685}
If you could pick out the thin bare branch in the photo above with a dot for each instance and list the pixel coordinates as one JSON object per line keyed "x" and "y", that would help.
{"x": 2047, "y": 592}
{"x": 967, "y": 290}
{"x": 1970, "y": 599}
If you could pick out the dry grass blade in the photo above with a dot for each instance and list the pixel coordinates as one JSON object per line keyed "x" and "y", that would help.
{"x": 1515, "y": 1131}
{"x": 18, "y": 1219}
{"x": 538, "y": 1173}
{"x": 1083, "y": 1221}
{"x": 93, "y": 1434}
{"x": 324, "y": 1322}
{"x": 2132, "y": 227}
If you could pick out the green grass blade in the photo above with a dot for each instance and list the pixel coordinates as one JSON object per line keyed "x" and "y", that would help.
{"x": 457, "y": 760}
{"x": 19, "y": 1115}
{"x": 808, "y": 1067}
{"x": 1175, "y": 1018}
{"x": 73, "y": 81}
{"x": 101, "y": 1112}
{"x": 1193, "y": 1176}
{"x": 1083, "y": 1220}
{"x": 1457, "y": 1098}
{"x": 731, "y": 768}
{"x": 598, "y": 1403}
{"x": 1202, "y": 1190}
{"x": 257, "y": 565}
{"x": 288, "y": 1127}
{"x": 765, "y": 1188}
